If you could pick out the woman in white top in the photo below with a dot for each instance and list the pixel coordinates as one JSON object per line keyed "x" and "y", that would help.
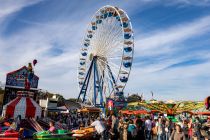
{"x": 160, "y": 129}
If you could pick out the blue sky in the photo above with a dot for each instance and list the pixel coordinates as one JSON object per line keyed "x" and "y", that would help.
{"x": 172, "y": 44}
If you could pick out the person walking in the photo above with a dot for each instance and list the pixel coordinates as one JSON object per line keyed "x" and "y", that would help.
{"x": 148, "y": 128}
{"x": 197, "y": 128}
{"x": 120, "y": 128}
{"x": 160, "y": 129}
{"x": 167, "y": 130}
{"x": 177, "y": 134}
{"x": 190, "y": 129}
{"x": 69, "y": 122}
{"x": 132, "y": 133}
{"x": 114, "y": 127}
{"x": 140, "y": 129}
{"x": 99, "y": 128}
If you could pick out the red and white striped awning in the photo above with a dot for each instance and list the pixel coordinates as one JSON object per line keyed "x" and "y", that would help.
{"x": 22, "y": 105}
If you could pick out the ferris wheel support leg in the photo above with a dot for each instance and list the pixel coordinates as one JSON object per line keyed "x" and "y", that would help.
{"x": 99, "y": 86}
{"x": 112, "y": 77}
{"x": 95, "y": 94}
{"x": 85, "y": 84}
{"x": 102, "y": 83}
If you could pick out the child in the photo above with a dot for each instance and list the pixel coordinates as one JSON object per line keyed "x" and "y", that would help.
{"x": 52, "y": 127}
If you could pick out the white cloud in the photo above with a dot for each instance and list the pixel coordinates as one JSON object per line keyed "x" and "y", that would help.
{"x": 8, "y": 7}
{"x": 58, "y": 73}
{"x": 186, "y": 83}
{"x": 177, "y": 83}
{"x": 203, "y": 3}
{"x": 163, "y": 41}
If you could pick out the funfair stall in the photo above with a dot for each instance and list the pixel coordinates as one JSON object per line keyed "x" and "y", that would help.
{"x": 23, "y": 105}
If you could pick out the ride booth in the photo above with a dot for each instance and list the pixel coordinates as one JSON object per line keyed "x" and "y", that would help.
{"x": 114, "y": 105}
{"x": 15, "y": 81}
{"x": 23, "y": 105}
{"x": 22, "y": 110}
{"x": 91, "y": 112}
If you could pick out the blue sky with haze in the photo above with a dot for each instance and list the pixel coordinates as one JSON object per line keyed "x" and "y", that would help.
{"x": 172, "y": 44}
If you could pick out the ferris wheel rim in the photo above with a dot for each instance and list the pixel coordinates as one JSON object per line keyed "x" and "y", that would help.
{"x": 123, "y": 32}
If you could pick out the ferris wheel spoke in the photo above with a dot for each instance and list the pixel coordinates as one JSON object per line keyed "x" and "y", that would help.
{"x": 101, "y": 70}
{"x": 104, "y": 51}
{"x": 115, "y": 66}
{"x": 107, "y": 52}
{"x": 108, "y": 35}
{"x": 115, "y": 57}
{"x": 109, "y": 77}
{"x": 104, "y": 81}
{"x": 91, "y": 88}
{"x": 103, "y": 31}
{"x": 114, "y": 51}
{"x": 107, "y": 30}
{"x": 107, "y": 64}
{"x": 116, "y": 46}
{"x": 111, "y": 24}
{"x": 106, "y": 71}
{"x": 122, "y": 70}
{"x": 111, "y": 80}
{"x": 109, "y": 42}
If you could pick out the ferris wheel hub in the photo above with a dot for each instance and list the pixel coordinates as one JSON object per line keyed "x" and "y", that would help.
{"x": 92, "y": 56}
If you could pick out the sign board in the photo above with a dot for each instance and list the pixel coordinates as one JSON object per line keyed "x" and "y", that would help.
{"x": 115, "y": 104}
{"x": 17, "y": 78}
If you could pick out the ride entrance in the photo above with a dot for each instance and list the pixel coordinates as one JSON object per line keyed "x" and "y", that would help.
{"x": 106, "y": 57}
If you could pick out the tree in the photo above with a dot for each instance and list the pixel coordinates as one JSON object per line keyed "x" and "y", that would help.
{"x": 72, "y": 99}
{"x": 134, "y": 98}
{"x": 61, "y": 100}
{"x": 1, "y": 96}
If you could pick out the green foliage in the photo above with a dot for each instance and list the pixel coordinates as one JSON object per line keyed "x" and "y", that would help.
{"x": 72, "y": 99}
{"x": 1, "y": 91}
{"x": 134, "y": 98}
{"x": 1, "y": 96}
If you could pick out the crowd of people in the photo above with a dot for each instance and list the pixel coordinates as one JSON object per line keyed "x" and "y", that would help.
{"x": 142, "y": 127}
{"x": 131, "y": 127}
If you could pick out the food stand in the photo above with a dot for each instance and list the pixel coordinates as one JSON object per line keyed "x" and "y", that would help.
{"x": 85, "y": 133}
{"x": 90, "y": 111}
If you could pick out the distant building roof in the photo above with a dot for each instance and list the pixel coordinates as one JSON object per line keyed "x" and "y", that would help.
{"x": 72, "y": 104}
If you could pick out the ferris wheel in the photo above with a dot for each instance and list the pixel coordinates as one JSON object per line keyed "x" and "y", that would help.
{"x": 106, "y": 56}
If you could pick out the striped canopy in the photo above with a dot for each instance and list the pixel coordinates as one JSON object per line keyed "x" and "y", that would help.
{"x": 22, "y": 105}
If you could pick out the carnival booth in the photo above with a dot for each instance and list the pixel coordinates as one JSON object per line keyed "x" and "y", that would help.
{"x": 134, "y": 112}
{"x": 90, "y": 111}
{"x": 23, "y": 105}
{"x": 84, "y": 134}
{"x": 17, "y": 80}
{"x": 169, "y": 107}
